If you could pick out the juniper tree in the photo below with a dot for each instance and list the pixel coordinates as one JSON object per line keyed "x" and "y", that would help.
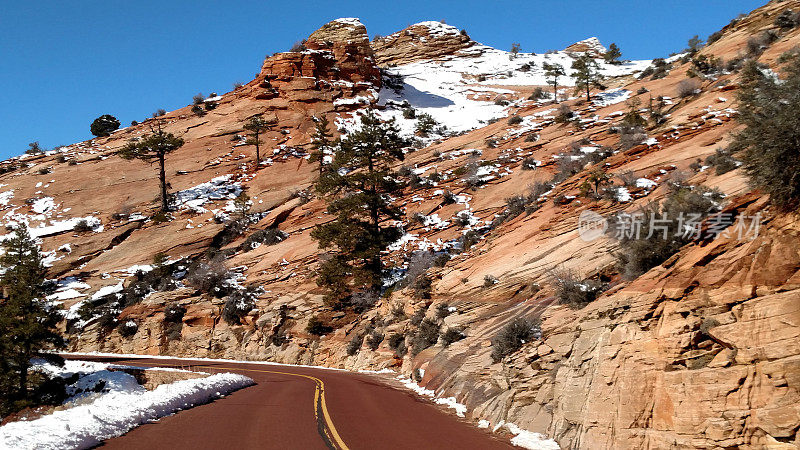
{"x": 104, "y": 125}
{"x": 257, "y": 125}
{"x": 358, "y": 187}
{"x": 34, "y": 148}
{"x": 27, "y": 322}
{"x": 553, "y": 72}
{"x": 613, "y": 54}
{"x": 770, "y": 142}
{"x": 587, "y": 74}
{"x": 321, "y": 142}
{"x": 154, "y": 147}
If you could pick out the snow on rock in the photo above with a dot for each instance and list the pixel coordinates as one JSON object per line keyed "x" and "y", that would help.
{"x": 62, "y": 226}
{"x": 645, "y": 183}
{"x": 622, "y": 194}
{"x": 107, "y": 290}
{"x": 219, "y": 188}
{"x": 591, "y": 46}
{"x": 115, "y": 413}
{"x": 349, "y": 21}
{"x": 436, "y": 29}
{"x": 611, "y": 97}
{"x": 434, "y": 221}
{"x": 43, "y": 205}
{"x": 6, "y": 197}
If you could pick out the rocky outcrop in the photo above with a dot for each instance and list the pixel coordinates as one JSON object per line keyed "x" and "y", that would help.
{"x": 339, "y": 50}
{"x": 703, "y": 354}
{"x": 419, "y": 42}
{"x": 590, "y": 47}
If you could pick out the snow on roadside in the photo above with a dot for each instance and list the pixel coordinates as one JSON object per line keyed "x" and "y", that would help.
{"x": 115, "y": 413}
{"x": 450, "y": 402}
{"x": 530, "y": 440}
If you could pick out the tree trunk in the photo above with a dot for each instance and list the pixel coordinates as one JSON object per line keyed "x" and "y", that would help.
{"x": 162, "y": 178}
{"x": 258, "y": 152}
{"x": 23, "y": 373}
{"x": 555, "y": 92}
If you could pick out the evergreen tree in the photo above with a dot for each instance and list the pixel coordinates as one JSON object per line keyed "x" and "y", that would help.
{"x": 587, "y": 75}
{"x": 27, "y": 322}
{"x": 34, "y": 148}
{"x": 694, "y": 44}
{"x": 613, "y": 54}
{"x": 320, "y": 142}
{"x": 257, "y": 125}
{"x": 515, "y": 48}
{"x": 358, "y": 187}
{"x": 154, "y": 146}
{"x": 770, "y": 142}
{"x": 104, "y": 125}
{"x": 553, "y": 72}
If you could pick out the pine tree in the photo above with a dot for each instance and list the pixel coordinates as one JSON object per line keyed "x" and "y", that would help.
{"x": 694, "y": 44}
{"x": 257, "y": 125}
{"x": 321, "y": 142}
{"x": 553, "y": 72}
{"x": 613, "y": 54}
{"x": 154, "y": 146}
{"x": 358, "y": 188}
{"x": 587, "y": 74}
{"x": 27, "y": 322}
{"x": 769, "y": 144}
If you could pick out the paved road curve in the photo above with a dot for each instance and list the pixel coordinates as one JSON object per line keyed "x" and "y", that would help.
{"x": 303, "y": 408}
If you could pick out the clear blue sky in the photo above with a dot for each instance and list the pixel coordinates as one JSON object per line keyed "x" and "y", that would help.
{"x": 66, "y": 62}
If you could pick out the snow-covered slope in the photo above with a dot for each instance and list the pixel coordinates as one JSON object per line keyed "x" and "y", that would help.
{"x": 459, "y": 91}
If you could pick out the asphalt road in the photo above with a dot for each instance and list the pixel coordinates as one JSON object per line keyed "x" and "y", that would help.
{"x": 303, "y": 408}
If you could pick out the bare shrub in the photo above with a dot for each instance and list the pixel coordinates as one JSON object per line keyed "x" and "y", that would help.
{"x": 427, "y": 335}
{"x": 513, "y": 336}
{"x": 688, "y": 87}
{"x": 374, "y": 340}
{"x": 452, "y": 335}
{"x": 574, "y": 292}
{"x": 722, "y": 161}
{"x": 355, "y": 344}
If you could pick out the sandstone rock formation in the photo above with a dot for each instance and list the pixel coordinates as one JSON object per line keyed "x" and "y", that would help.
{"x": 420, "y": 42}
{"x": 700, "y": 352}
{"x": 591, "y": 47}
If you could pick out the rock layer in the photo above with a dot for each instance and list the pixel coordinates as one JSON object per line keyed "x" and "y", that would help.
{"x": 420, "y": 42}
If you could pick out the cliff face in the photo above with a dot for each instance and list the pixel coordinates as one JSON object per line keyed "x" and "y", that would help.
{"x": 701, "y": 351}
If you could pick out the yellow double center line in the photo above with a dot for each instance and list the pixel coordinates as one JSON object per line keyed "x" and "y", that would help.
{"x": 327, "y": 429}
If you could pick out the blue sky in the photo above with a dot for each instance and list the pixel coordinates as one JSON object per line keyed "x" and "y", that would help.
{"x": 66, "y": 62}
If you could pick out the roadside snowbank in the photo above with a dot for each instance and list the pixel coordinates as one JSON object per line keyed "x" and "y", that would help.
{"x": 116, "y": 413}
